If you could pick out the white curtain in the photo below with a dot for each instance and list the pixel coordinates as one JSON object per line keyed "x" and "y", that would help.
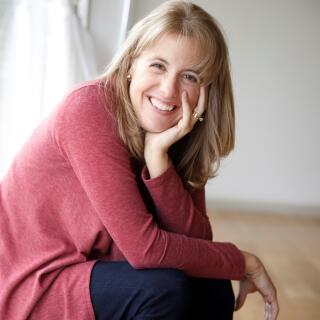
{"x": 46, "y": 50}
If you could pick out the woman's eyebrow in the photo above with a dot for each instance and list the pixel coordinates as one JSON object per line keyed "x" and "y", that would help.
{"x": 193, "y": 71}
{"x": 160, "y": 59}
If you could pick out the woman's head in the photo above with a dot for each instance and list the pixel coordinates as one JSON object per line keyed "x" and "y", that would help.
{"x": 186, "y": 27}
{"x": 159, "y": 76}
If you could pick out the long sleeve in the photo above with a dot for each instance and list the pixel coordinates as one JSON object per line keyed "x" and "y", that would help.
{"x": 86, "y": 135}
{"x": 177, "y": 210}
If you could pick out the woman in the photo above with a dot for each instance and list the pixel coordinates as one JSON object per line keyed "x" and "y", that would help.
{"x": 103, "y": 210}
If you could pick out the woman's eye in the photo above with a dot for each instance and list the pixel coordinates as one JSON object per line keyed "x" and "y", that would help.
{"x": 158, "y": 66}
{"x": 191, "y": 78}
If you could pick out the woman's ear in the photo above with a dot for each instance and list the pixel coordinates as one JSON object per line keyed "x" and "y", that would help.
{"x": 132, "y": 67}
{"x": 130, "y": 72}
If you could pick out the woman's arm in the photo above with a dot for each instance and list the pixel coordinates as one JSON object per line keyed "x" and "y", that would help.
{"x": 158, "y": 163}
{"x": 177, "y": 209}
{"x": 86, "y": 137}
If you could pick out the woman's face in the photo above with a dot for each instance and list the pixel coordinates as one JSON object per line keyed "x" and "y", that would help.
{"x": 159, "y": 76}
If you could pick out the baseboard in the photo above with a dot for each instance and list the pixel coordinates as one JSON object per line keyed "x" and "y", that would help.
{"x": 263, "y": 208}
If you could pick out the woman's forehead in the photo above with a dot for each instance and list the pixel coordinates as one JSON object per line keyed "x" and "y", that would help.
{"x": 175, "y": 49}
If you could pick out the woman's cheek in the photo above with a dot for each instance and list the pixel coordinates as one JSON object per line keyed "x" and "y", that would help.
{"x": 193, "y": 97}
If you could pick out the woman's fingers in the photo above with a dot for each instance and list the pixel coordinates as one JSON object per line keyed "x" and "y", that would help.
{"x": 271, "y": 309}
{"x": 258, "y": 279}
{"x": 267, "y": 308}
{"x": 240, "y": 300}
{"x": 265, "y": 286}
{"x": 188, "y": 119}
{"x": 274, "y": 309}
{"x": 271, "y": 301}
{"x": 186, "y": 110}
{"x": 246, "y": 287}
{"x": 200, "y": 108}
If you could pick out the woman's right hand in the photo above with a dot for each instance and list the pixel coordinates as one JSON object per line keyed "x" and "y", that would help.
{"x": 257, "y": 279}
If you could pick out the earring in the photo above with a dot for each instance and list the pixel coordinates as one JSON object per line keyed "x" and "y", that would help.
{"x": 129, "y": 77}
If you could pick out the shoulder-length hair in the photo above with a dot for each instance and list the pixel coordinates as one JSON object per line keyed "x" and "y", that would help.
{"x": 196, "y": 156}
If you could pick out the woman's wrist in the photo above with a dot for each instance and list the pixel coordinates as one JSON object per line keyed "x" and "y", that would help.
{"x": 157, "y": 162}
{"x": 252, "y": 263}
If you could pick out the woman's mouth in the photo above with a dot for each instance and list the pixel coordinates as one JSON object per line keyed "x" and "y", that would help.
{"x": 160, "y": 105}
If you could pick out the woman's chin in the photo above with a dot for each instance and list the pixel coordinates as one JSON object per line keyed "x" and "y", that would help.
{"x": 152, "y": 130}
{"x": 155, "y": 129}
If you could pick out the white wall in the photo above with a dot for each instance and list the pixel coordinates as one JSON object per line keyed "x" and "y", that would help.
{"x": 274, "y": 49}
{"x": 106, "y": 26}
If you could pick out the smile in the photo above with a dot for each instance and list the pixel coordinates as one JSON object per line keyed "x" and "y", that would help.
{"x": 160, "y": 105}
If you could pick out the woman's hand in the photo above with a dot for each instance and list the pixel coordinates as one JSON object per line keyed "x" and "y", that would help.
{"x": 257, "y": 279}
{"x": 163, "y": 140}
{"x": 157, "y": 144}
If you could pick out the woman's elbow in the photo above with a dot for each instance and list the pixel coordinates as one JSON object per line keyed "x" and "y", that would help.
{"x": 142, "y": 263}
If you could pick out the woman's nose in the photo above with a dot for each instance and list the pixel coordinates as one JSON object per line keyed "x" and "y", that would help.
{"x": 170, "y": 87}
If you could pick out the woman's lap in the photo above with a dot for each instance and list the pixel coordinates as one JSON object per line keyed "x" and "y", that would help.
{"x": 118, "y": 291}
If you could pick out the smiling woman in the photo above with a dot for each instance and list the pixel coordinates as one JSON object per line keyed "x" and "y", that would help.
{"x": 194, "y": 49}
{"x": 159, "y": 76}
{"x": 102, "y": 213}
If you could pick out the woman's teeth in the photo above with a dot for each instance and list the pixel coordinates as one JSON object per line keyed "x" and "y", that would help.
{"x": 159, "y": 105}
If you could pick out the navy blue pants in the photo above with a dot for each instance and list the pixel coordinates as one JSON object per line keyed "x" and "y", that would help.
{"x": 120, "y": 292}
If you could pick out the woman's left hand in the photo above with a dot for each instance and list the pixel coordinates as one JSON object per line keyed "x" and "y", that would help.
{"x": 257, "y": 279}
{"x": 161, "y": 142}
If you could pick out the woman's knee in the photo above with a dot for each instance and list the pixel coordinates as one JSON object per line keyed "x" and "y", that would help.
{"x": 172, "y": 290}
{"x": 171, "y": 281}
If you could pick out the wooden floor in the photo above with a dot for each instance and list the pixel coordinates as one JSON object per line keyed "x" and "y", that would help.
{"x": 290, "y": 249}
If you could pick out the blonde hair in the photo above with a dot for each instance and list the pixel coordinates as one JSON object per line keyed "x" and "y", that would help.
{"x": 196, "y": 156}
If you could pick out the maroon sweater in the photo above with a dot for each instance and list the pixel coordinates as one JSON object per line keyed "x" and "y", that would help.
{"x": 74, "y": 195}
